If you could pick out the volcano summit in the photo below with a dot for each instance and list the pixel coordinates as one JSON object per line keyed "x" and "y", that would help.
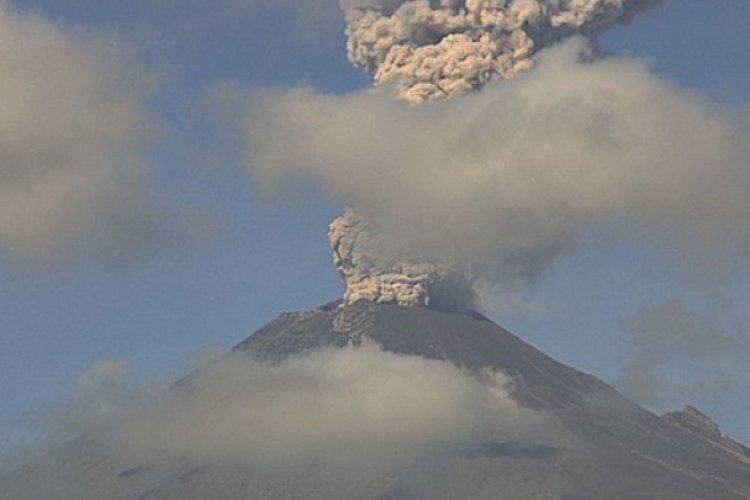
{"x": 550, "y": 432}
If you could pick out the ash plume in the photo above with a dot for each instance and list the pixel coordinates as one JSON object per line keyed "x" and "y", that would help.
{"x": 437, "y": 48}
{"x": 493, "y": 186}
{"x": 397, "y": 281}
{"x": 502, "y": 182}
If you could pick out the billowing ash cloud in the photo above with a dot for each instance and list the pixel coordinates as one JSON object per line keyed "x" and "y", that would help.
{"x": 498, "y": 183}
{"x": 376, "y": 274}
{"x": 437, "y": 48}
{"x": 432, "y": 49}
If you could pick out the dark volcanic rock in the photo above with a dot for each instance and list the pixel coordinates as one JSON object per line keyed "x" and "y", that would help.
{"x": 618, "y": 450}
{"x": 693, "y": 421}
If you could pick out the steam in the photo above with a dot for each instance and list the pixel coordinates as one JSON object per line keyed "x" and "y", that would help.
{"x": 438, "y": 48}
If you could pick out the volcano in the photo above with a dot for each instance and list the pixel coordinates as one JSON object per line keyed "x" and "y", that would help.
{"x": 615, "y": 449}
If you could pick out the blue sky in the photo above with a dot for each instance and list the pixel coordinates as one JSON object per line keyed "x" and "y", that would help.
{"x": 162, "y": 306}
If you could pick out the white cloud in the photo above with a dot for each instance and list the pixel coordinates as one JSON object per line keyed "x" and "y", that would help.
{"x": 677, "y": 353}
{"x": 72, "y": 129}
{"x": 501, "y": 181}
{"x": 324, "y": 403}
{"x": 330, "y": 420}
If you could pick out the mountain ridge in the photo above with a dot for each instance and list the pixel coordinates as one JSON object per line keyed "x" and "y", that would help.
{"x": 471, "y": 341}
{"x": 609, "y": 447}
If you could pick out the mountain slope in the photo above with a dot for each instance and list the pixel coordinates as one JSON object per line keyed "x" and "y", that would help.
{"x": 638, "y": 455}
{"x": 611, "y": 449}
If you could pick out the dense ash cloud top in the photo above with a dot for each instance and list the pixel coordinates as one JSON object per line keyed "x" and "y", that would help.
{"x": 437, "y": 48}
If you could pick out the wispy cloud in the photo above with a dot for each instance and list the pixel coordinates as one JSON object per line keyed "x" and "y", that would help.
{"x": 671, "y": 334}
{"x": 74, "y": 131}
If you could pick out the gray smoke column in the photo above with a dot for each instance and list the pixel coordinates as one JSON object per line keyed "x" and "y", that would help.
{"x": 436, "y": 49}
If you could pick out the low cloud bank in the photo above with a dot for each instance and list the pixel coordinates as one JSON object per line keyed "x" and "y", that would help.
{"x": 324, "y": 402}
{"x": 354, "y": 413}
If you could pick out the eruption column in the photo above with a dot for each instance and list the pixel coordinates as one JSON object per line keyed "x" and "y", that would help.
{"x": 432, "y": 49}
